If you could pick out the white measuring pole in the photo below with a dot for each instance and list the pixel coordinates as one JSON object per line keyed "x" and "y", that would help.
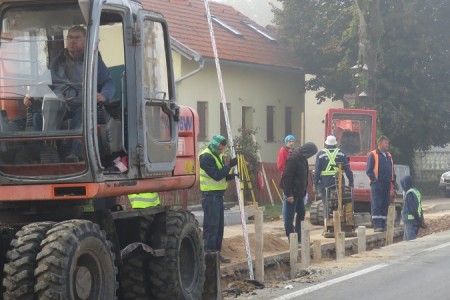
{"x": 230, "y": 140}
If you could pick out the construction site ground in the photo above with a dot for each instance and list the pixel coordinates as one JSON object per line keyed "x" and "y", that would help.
{"x": 235, "y": 276}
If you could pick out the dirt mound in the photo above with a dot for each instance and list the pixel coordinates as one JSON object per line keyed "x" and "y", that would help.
{"x": 234, "y": 248}
{"x": 435, "y": 224}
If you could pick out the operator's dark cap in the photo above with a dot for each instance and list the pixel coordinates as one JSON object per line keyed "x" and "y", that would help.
{"x": 308, "y": 149}
{"x": 216, "y": 141}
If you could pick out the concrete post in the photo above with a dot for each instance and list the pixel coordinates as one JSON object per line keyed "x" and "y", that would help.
{"x": 306, "y": 239}
{"x": 259, "y": 245}
{"x": 390, "y": 225}
{"x": 336, "y": 222}
{"x": 293, "y": 253}
{"x": 340, "y": 245}
{"x": 317, "y": 250}
{"x": 361, "y": 239}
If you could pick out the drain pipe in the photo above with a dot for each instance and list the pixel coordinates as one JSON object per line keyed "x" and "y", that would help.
{"x": 189, "y": 54}
{"x": 200, "y": 67}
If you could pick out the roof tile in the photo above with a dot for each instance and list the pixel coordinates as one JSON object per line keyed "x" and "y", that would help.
{"x": 188, "y": 24}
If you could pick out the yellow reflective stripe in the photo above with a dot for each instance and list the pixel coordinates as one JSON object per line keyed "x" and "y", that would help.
{"x": 330, "y": 170}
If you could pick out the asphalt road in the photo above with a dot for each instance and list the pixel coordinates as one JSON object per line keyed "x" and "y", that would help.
{"x": 412, "y": 270}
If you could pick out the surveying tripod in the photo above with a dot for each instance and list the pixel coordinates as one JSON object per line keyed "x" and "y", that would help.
{"x": 244, "y": 177}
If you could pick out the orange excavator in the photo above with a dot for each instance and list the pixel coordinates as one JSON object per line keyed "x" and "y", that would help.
{"x": 64, "y": 235}
{"x": 355, "y": 131}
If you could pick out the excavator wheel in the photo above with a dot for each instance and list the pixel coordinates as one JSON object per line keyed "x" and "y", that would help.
{"x": 76, "y": 262}
{"x": 316, "y": 213}
{"x": 18, "y": 281}
{"x": 181, "y": 273}
{"x": 134, "y": 274}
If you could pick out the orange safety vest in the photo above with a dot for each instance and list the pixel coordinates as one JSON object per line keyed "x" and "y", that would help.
{"x": 375, "y": 167}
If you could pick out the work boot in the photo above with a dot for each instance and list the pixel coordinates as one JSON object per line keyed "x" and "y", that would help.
{"x": 224, "y": 260}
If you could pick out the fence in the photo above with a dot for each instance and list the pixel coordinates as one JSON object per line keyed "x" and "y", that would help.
{"x": 431, "y": 164}
{"x": 192, "y": 196}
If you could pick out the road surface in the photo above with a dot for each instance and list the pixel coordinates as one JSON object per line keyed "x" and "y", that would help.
{"x": 417, "y": 269}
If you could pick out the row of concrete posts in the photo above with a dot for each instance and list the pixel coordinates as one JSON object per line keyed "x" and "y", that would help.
{"x": 339, "y": 239}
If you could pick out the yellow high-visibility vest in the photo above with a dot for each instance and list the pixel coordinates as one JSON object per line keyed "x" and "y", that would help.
{"x": 206, "y": 182}
{"x": 144, "y": 200}
{"x": 330, "y": 170}
{"x": 419, "y": 207}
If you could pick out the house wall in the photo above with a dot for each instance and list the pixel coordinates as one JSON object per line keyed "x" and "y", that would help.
{"x": 245, "y": 86}
{"x": 315, "y": 118}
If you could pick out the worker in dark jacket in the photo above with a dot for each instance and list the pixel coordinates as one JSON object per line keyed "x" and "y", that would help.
{"x": 326, "y": 167}
{"x": 412, "y": 213}
{"x": 380, "y": 170}
{"x": 213, "y": 184}
{"x": 293, "y": 183}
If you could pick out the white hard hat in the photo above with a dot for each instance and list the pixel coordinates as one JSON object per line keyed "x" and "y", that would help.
{"x": 331, "y": 140}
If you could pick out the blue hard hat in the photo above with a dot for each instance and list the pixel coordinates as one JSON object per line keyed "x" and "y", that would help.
{"x": 289, "y": 138}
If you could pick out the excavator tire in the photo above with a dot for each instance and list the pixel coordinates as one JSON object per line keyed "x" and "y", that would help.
{"x": 316, "y": 213}
{"x": 18, "y": 280}
{"x": 180, "y": 274}
{"x": 134, "y": 274}
{"x": 76, "y": 262}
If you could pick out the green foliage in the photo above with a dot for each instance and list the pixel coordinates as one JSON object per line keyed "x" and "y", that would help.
{"x": 249, "y": 148}
{"x": 410, "y": 87}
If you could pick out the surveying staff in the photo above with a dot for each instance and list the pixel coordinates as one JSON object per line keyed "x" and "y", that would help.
{"x": 412, "y": 213}
{"x": 284, "y": 152}
{"x": 144, "y": 200}
{"x": 213, "y": 183}
{"x": 326, "y": 166}
{"x": 380, "y": 169}
{"x": 293, "y": 183}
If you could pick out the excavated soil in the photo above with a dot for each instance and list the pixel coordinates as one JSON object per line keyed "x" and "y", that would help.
{"x": 234, "y": 248}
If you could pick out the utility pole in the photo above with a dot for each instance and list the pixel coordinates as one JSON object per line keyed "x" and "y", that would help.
{"x": 370, "y": 28}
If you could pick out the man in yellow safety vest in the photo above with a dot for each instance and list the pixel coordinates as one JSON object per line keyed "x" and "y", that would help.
{"x": 412, "y": 213}
{"x": 213, "y": 183}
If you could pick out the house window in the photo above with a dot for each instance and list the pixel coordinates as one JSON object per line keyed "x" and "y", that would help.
{"x": 247, "y": 117}
{"x": 288, "y": 121}
{"x": 270, "y": 123}
{"x": 202, "y": 110}
{"x": 223, "y": 124}
{"x": 226, "y": 26}
{"x": 259, "y": 30}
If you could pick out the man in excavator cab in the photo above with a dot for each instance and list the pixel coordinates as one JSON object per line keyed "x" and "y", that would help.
{"x": 67, "y": 74}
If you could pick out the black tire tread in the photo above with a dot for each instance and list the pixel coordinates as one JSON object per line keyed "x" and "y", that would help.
{"x": 164, "y": 272}
{"x": 18, "y": 279}
{"x": 54, "y": 256}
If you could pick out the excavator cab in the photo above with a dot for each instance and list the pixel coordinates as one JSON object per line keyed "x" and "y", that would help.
{"x": 65, "y": 157}
{"x": 140, "y": 133}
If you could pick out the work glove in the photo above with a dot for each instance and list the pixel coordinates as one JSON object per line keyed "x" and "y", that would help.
{"x": 233, "y": 162}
